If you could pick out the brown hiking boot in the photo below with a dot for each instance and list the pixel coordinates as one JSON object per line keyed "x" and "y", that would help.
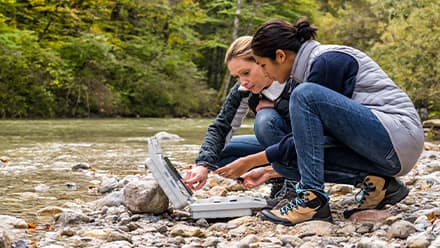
{"x": 281, "y": 189}
{"x": 378, "y": 191}
{"x": 306, "y": 206}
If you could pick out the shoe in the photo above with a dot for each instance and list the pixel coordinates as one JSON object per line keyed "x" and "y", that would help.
{"x": 281, "y": 189}
{"x": 306, "y": 206}
{"x": 376, "y": 192}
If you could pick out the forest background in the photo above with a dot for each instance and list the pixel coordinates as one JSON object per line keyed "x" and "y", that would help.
{"x": 164, "y": 58}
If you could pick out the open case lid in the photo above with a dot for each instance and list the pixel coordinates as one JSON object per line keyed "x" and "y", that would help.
{"x": 167, "y": 176}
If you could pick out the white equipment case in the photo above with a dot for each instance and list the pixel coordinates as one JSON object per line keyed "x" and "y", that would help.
{"x": 170, "y": 181}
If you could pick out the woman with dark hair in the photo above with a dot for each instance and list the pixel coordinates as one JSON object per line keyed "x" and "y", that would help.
{"x": 350, "y": 122}
{"x": 254, "y": 91}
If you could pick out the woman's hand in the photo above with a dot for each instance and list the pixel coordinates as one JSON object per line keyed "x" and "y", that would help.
{"x": 234, "y": 169}
{"x": 196, "y": 178}
{"x": 258, "y": 176}
{"x": 242, "y": 165}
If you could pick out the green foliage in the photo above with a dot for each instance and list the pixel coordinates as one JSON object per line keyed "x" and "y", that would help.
{"x": 61, "y": 58}
{"x": 402, "y": 36}
{"x": 26, "y": 75}
{"x": 410, "y": 50}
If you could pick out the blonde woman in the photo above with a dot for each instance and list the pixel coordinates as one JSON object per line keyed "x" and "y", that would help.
{"x": 255, "y": 91}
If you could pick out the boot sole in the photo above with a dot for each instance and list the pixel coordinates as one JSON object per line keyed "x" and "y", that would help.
{"x": 288, "y": 223}
{"x": 394, "y": 198}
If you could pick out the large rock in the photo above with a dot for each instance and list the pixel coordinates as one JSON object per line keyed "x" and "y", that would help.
{"x": 145, "y": 197}
{"x": 167, "y": 137}
{"x": 11, "y": 221}
{"x": 5, "y": 240}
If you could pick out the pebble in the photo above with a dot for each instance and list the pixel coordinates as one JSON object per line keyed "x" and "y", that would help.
{"x": 108, "y": 223}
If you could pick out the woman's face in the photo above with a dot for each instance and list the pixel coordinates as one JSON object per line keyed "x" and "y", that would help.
{"x": 276, "y": 70}
{"x": 249, "y": 74}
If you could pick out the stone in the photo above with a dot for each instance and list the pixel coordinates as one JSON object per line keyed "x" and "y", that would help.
{"x": 167, "y": 137}
{"x": 50, "y": 210}
{"x": 187, "y": 231}
{"x": 145, "y": 197}
{"x": 108, "y": 185}
{"x": 418, "y": 240}
{"x": 81, "y": 166}
{"x": 401, "y": 229}
{"x": 115, "y": 198}
{"x": 71, "y": 218}
{"x": 371, "y": 243}
{"x": 316, "y": 227}
{"x": 372, "y": 215}
{"x": 5, "y": 240}
{"x": 11, "y": 221}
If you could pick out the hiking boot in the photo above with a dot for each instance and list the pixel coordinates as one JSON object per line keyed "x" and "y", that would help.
{"x": 376, "y": 192}
{"x": 281, "y": 188}
{"x": 306, "y": 206}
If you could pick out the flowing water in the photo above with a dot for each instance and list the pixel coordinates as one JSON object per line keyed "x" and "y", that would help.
{"x": 42, "y": 153}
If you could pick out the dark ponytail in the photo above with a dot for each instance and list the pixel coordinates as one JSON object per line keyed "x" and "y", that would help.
{"x": 279, "y": 34}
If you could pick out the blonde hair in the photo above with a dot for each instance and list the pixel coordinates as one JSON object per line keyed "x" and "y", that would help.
{"x": 240, "y": 48}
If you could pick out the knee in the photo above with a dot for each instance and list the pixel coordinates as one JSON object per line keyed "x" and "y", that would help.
{"x": 305, "y": 92}
{"x": 264, "y": 120}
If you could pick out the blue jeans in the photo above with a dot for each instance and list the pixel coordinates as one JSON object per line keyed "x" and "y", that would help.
{"x": 269, "y": 128}
{"x": 336, "y": 140}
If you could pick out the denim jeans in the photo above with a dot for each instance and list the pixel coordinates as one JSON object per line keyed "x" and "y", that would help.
{"x": 336, "y": 140}
{"x": 269, "y": 128}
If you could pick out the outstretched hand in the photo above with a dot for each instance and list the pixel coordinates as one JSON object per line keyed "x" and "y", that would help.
{"x": 255, "y": 177}
{"x": 196, "y": 178}
{"x": 242, "y": 165}
{"x": 234, "y": 169}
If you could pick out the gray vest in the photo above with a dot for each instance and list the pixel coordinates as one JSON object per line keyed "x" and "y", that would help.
{"x": 375, "y": 90}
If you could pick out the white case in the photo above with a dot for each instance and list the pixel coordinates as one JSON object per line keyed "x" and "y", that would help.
{"x": 216, "y": 207}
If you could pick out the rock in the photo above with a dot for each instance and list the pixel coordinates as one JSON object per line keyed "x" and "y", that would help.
{"x": 117, "y": 244}
{"x": 435, "y": 243}
{"x": 41, "y": 188}
{"x": 5, "y": 240}
{"x": 372, "y": 215}
{"x": 247, "y": 241}
{"x": 113, "y": 199}
{"x": 11, "y": 221}
{"x": 108, "y": 185}
{"x": 418, "y": 240}
{"x": 315, "y": 227}
{"x": 401, "y": 229}
{"x": 290, "y": 240}
{"x": 167, "y": 137}
{"x": 211, "y": 242}
{"x": 187, "y": 231}
{"x": 70, "y": 218}
{"x": 365, "y": 228}
{"x": 217, "y": 191}
{"x": 50, "y": 210}
{"x": 20, "y": 244}
{"x": 340, "y": 189}
{"x": 145, "y": 197}
{"x": 71, "y": 186}
{"x": 371, "y": 243}
{"x": 422, "y": 223}
{"x": 81, "y": 166}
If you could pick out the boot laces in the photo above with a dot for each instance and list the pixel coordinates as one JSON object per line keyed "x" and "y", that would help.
{"x": 366, "y": 187}
{"x": 288, "y": 185}
{"x": 299, "y": 200}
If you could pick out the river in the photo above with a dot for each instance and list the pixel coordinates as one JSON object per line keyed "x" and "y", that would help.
{"x": 42, "y": 153}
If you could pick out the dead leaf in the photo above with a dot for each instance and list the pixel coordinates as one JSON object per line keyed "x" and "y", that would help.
{"x": 432, "y": 217}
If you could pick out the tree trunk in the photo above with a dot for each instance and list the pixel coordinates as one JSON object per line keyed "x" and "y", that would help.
{"x": 225, "y": 86}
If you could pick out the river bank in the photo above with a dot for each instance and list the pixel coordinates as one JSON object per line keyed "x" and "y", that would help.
{"x": 414, "y": 222}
